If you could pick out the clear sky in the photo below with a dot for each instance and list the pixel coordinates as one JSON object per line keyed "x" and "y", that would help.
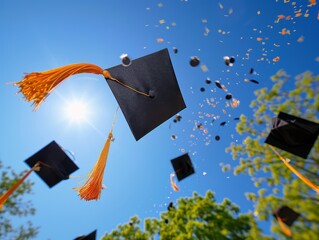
{"x": 39, "y": 35}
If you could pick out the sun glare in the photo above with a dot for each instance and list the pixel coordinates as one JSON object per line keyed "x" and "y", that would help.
{"x": 76, "y": 111}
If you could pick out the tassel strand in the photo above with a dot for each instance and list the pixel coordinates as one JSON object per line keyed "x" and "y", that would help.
{"x": 173, "y": 184}
{"x": 92, "y": 188}
{"x": 296, "y": 172}
{"x": 37, "y": 86}
{"x": 8, "y": 193}
{"x": 283, "y": 227}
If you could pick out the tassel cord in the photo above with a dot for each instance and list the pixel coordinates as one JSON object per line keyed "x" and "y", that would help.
{"x": 296, "y": 172}
{"x": 173, "y": 184}
{"x": 283, "y": 227}
{"x": 9, "y": 192}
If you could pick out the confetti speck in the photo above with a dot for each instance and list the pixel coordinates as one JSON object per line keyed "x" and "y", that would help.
{"x": 276, "y": 59}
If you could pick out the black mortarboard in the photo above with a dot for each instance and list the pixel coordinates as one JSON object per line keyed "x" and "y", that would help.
{"x": 217, "y": 137}
{"x": 55, "y": 164}
{"x": 183, "y": 166}
{"x": 208, "y": 81}
{"x": 223, "y": 123}
{"x": 254, "y": 81}
{"x": 229, "y": 96}
{"x": 154, "y": 75}
{"x": 173, "y": 137}
{"x": 202, "y": 89}
{"x": 91, "y": 236}
{"x": 218, "y": 84}
{"x": 293, "y": 134}
{"x": 194, "y": 62}
{"x": 287, "y": 215}
{"x": 170, "y": 206}
{"x": 251, "y": 71}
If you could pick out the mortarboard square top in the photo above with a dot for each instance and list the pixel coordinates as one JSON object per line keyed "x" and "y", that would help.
{"x": 293, "y": 134}
{"x": 154, "y": 75}
{"x": 91, "y": 236}
{"x": 287, "y": 215}
{"x": 55, "y": 164}
{"x": 183, "y": 166}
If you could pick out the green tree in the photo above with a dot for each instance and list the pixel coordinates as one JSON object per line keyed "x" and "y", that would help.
{"x": 15, "y": 207}
{"x": 193, "y": 218}
{"x": 277, "y": 184}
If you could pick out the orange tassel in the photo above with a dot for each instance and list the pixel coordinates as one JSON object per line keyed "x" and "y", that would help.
{"x": 37, "y": 86}
{"x": 93, "y": 186}
{"x": 295, "y": 171}
{"x": 8, "y": 193}
{"x": 283, "y": 227}
{"x": 173, "y": 184}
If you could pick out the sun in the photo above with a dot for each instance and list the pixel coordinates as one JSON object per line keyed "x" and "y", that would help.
{"x": 76, "y": 111}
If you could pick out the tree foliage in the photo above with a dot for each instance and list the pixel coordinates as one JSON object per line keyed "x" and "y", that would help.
{"x": 193, "y": 218}
{"x": 15, "y": 207}
{"x": 277, "y": 184}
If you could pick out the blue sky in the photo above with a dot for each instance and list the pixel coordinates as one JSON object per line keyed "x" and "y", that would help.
{"x": 39, "y": 35}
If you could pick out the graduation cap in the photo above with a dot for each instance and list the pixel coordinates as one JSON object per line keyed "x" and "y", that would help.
{"x": 91, "y": 236}
{"x": 145, "y": 88}
{"x": 254, "y": 81}
{"x": 222, "y": 124}
{"x": 183, "y": 166}
{"x": 50, "y": 163}
{"x": 287, "y": 215}
{"x": 152, "y": 74}
{"x": 208, "y": 81}
{"x": 218, "y": 84}
{"x": 293, "y": 134}
{"x": 173, "y": 137}
{"x": 170, "y": 206}
{"x": 55, "y": 164}
{"x": 194, "y": 62}
{"x": 228, "y": 96}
